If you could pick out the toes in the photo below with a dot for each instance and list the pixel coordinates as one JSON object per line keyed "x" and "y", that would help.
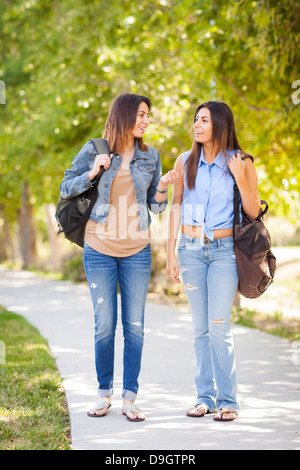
{"x": 97, "y": 412}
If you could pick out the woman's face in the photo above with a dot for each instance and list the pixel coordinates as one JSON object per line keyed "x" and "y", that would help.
{"x": 203, "y": 126}
{"x": 142, "y": 121}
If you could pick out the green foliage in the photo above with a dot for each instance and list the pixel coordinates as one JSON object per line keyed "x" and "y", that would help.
{"x": 73, "y": 270}
{"x": 64, "y": 62}
{"x": 276, "y": 324}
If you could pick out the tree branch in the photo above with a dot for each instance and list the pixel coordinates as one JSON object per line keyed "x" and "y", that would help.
{"x": 250, "y": 106}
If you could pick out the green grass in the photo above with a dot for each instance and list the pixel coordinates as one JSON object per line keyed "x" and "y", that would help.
{"x": 33, "y": 410}
{"x": 275, "y": 324}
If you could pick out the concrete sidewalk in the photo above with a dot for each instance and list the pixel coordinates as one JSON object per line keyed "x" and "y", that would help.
{"x": 268, "y": 373}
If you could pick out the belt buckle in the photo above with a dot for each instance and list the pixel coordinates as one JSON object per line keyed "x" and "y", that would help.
{"x": 207, "y": 241}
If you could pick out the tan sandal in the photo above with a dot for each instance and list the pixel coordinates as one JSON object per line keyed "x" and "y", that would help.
{"x": 200, "y": 406}
{"x": 100, "y": 405}
{"x": 222, "y": 413}
{"x": 135, "y": 410}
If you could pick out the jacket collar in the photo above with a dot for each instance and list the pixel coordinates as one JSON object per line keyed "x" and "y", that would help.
{"x": 138, "y": 153}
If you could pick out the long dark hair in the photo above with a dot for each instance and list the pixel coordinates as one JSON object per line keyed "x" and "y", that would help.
{"x": 122, "y": 118}
{"x": 223, "y": 137}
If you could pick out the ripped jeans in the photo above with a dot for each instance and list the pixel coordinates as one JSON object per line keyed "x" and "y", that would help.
{"x": 209, "y": 275}
{"x": 103, "y": 274}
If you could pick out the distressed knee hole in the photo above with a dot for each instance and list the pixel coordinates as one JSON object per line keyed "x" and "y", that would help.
{"x": 100, "y": 300}
{"x": 137, "y": 323}
{"x": 190, "y": 287}
{"x": 218, "y": 322}
{"x": 93, "y": 285}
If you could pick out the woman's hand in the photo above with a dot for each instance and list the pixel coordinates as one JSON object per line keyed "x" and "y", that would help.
{"x": 237, "y": 166}
{"x": 246, "y": 179}
{"x": 173, "y": 269}
{"x": 169, "y": 178}
{"x": 100, "y": 160}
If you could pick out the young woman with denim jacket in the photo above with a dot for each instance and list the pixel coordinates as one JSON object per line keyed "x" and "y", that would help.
{"x": 117, "y": 240}
{"x": 203, "y": 205}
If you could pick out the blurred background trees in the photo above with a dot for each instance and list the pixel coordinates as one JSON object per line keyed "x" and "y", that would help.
{"x": 63, "y": 63}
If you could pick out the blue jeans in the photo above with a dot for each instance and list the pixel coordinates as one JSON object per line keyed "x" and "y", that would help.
{"x": 103, "y": 274}
{"x": 210, "y": 278}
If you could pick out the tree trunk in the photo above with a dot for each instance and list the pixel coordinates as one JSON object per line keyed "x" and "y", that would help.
{"x": 3, "y": 245}
{"x": 55, "y": 251}
{"x": 27, "y": 230}
{"x": 7, "y": 248}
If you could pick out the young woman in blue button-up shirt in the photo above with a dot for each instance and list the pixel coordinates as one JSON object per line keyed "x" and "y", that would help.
{"x": 117, "y": 240}
{"x": 202, "y": 209}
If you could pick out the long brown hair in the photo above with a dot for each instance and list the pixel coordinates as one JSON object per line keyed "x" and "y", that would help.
{"x": 122, "y": 118}
{"x": 223, "y": 137}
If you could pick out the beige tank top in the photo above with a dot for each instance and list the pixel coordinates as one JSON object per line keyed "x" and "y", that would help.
{"x": 120, "y": 235}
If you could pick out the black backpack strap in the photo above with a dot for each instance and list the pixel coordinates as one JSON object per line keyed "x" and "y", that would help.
{"x": 101, "y": 146}
{"x": 236, "y": 207}
{"x": 246, "y": 155}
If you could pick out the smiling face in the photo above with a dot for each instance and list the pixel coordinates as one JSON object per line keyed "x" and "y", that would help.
{"x": 127, "y": 120}
{"x": 142, "y": 121}
{"x": 203, "y": 126}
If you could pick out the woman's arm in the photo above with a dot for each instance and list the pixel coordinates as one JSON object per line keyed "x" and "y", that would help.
{"x": 79, "y": 177}
{"x": 156, "y": 206}
{"x": 246, "y": 178}
{"x": 158, "y": 201}
{"x": 174, "y": 223}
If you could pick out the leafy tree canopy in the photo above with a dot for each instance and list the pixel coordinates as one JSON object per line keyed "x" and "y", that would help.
{"x": 63, "y": 62}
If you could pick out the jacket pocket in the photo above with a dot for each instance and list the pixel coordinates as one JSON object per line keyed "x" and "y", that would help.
{"x": 147, "y": 171}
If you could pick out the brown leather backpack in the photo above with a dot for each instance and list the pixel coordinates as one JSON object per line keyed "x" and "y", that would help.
{"x": 256, "y": 263}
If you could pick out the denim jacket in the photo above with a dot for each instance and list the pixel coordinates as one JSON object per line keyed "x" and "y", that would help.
{"x": 145, "y": 169}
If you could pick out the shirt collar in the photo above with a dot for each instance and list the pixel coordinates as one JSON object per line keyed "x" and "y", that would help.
{"x": 218, "y": 160}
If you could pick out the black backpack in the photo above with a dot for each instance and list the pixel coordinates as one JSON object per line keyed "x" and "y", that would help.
{"x": 73, "y": 213}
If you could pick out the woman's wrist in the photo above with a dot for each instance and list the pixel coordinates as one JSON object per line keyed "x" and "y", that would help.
{"x": 91, "y": 175}
{"x": 162, "y": 187}
{"x": 162, "y": 190}
{"x": 171, "y": 252}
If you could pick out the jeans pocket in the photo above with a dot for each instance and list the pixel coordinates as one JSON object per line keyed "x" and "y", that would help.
{"x": 227, "y": 244}
{"x": 181, "y": 244}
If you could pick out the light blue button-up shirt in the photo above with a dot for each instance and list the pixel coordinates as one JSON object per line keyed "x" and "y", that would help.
{"x": 210, "y": 203}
